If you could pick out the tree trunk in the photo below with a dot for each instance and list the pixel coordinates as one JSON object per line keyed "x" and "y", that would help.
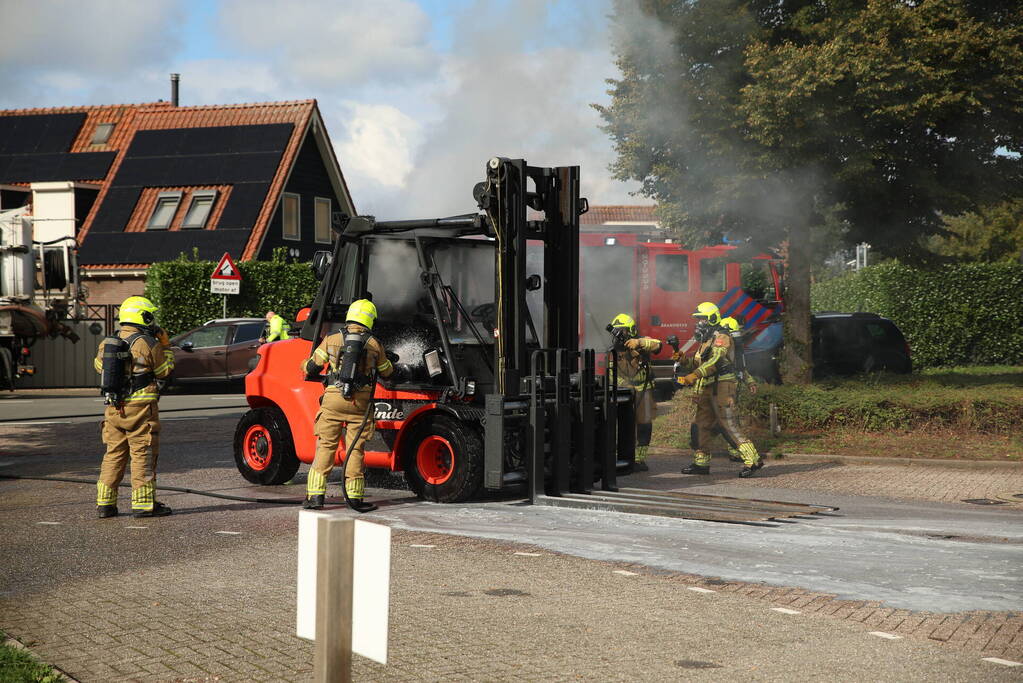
{"x": 797, "y": 361}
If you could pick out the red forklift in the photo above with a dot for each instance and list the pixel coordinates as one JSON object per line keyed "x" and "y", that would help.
{"x": 483, "y": 310}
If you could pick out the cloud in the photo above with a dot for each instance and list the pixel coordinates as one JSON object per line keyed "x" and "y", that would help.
{"x": 334, "y": 42}
{"x": 378, "y": 145}
{"x": 71, "y": 45}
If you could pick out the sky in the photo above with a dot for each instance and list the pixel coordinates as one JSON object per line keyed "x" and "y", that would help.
{"x": 416, "y": 94}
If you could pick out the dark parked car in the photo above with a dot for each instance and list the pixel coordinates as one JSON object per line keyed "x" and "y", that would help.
{"x": 218, "y": 351}
{"x": 843, "y": 344}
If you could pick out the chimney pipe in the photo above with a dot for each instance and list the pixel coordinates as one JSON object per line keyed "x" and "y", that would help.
{"x": 174, "y": 88}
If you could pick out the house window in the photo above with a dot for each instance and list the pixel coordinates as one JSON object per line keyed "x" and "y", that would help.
{"x": 199, "y": 210}
{"x": 322, "y": 207}
{"x": 102, "y": 133}
{"x": 291, "y": 216}
{"x": 163, "y": 213}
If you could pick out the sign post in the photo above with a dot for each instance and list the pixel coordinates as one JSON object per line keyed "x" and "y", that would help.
{"x": 344, "y": 576}
{"x": 225, "y": 279}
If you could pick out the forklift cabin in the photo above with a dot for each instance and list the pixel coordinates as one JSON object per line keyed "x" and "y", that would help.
{"x": 482, "y": 311}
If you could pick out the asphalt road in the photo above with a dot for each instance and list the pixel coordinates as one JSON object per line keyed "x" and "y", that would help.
{"x": 37, "y": 408}
{"x": 566, "y": 575}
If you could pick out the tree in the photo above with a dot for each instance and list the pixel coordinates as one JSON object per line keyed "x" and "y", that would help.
{"x": 774, "y": 119}
{"x": 991, "y": 234}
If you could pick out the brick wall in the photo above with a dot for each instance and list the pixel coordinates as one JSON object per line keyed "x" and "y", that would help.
{"x": 113, "y": 290}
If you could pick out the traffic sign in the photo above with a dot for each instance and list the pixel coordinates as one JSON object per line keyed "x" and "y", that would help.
{"x": 226, "y": 279}
{"x": 226, "y": 270}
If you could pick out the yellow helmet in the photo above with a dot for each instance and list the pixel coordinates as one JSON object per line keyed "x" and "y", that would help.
{"x": 730, "y": 324}
{"x": 708, "y": 312}
{"x": 137, "y": 310}
{"x": 362, "y": 311}
{"x": 626, "y": 321}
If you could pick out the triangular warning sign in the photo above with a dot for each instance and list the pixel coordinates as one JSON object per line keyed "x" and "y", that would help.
{"x": 226, "y": 269}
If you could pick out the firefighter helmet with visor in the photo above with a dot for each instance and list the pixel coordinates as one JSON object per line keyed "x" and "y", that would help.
{"x": 137, "y": 310}
{"x": 363, "y": 312}
{"x": 709, "y": 312}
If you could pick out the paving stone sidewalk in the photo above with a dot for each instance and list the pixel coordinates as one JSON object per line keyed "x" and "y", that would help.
{"x": 464, "y": 609}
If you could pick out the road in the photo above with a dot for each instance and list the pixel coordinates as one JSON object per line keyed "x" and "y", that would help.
{"x": 501, "y": 591}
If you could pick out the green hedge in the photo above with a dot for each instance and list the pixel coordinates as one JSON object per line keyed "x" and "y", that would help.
{"x": 955, "y": 315}
{"x": 988, "y": 400}
{"x": 181, "y": 289}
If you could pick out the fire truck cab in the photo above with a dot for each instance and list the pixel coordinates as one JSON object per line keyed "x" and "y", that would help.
{"x": 635, "y": 270}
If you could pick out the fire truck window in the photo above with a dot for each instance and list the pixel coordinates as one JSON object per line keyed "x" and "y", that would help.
{"x": 712, "y": 275}
{"x": 672, "y": 272}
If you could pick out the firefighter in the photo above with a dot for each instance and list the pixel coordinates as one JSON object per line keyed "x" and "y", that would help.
{"x": 138, "y": 355}
{"x": 632, "y": 355}
{"x": 714, "y": 379}
{"x": 352, "y": 356}
{"x": 731, "y": 326}
{"x": 278, "y": 328}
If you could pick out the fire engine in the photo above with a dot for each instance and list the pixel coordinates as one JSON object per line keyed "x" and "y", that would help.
{"x": 641, "y": 272}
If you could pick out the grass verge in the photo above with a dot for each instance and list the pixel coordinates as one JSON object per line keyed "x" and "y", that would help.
{"x": 17, "y": 665}
{"x": 971, "y": 413}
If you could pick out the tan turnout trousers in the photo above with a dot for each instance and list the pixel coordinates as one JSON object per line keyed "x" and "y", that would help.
{"x": 716, "y": 408}
{"x": 338, "y": 415}
{"x": 133, "y": 438}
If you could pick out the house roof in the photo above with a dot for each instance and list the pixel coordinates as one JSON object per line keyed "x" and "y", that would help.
{"x": 612, "y": 214}
{"x": 246, "y": 150}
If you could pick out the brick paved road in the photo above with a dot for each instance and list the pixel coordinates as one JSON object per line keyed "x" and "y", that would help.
{"x": 178, "y": 601}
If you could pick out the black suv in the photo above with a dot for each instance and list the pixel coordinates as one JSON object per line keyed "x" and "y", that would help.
{"x": 843, "y": 344}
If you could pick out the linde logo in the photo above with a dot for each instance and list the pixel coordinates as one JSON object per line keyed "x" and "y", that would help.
{"x": 385, "y": 411}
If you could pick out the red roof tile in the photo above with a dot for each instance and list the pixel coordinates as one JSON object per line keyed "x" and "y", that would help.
{"x": 602, "y": 215}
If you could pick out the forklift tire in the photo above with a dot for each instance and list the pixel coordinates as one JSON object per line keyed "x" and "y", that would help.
{"x": 443, "y": 460}
{"x": 263, "y": 450}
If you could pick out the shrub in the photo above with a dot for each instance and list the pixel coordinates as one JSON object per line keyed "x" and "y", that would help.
{"x": 955, "y": 315}
{"x": 181, "y": 289}
{"x": 960, "y": 400}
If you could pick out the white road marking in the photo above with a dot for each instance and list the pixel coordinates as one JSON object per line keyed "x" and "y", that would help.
{"x": 6, "y": 424}
{"x": 136, "y": 527}
{"x": 168, "y": 419}
{"x": 50, "y": 523}
{"x": 786, "y": 610}
{"x": 229, "y": 533}
{"x": 420, "y": 545}
{"x": 227, "y": 398}
{"x": 697, "y": 589}
{"x": 667, "y": 475}
{"x": 887, "y": 636}
{"x": 529, "y": 554}
{"x": 625, "y": 573}
{"x": 1003, "y": 662}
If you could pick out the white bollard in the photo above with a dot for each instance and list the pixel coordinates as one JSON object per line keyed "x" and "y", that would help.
{"x": 344, "y": 568}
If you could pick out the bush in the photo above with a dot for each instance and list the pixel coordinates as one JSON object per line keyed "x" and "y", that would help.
{"x": 181, "y": 289}
{"x": 955, "y": 315}
{"x": 960, "y": 399}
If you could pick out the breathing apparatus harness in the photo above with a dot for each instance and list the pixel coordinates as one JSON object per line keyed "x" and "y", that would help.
{"x": 347, "y": 379}
{"x": 117, "y": 381}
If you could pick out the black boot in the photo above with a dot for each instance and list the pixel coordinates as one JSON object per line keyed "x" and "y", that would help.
{"x": 159, "y": 510}
{"x": 363, "y": 506}
{"x": 758, "y": 464}
{"x": 313, "y": 502}
{"x": 748, "y": 471}
{"x": 104, "y": 511}
{"x": 696, "y": 469}
{"x": 640, "y": 467}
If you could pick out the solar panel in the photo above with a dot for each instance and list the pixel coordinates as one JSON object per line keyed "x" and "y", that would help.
{"x": 243, "y": 206}
{"x": 39, "y": 133}
{"x": 116, "y": 210}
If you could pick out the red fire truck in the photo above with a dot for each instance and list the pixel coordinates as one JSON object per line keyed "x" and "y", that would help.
{"x": 635, "y": 269}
